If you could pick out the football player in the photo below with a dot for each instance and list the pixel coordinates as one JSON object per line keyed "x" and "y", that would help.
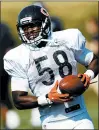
{"x": 40, "y": 62}
{"x": 56, "y": 25}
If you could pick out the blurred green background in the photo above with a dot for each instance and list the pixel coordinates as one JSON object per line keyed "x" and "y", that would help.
{"x": 74, "y": 15}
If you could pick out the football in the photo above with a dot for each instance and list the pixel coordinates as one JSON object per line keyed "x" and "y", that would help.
{"x": 72, "y": 85}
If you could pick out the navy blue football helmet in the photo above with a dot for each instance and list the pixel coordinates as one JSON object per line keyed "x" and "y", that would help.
{"x": 30, "y": 17}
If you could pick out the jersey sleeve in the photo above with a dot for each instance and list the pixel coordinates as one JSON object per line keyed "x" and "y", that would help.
{"x": 19, "y": 80}
{"x": 82, "y": 54}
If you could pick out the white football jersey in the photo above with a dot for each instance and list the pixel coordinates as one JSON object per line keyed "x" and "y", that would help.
{"x": 39, "y": 69}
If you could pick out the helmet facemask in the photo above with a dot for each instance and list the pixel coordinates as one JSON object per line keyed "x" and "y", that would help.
{"x": 34, "y": 36}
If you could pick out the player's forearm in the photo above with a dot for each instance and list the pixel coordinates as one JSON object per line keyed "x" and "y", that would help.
{"x": 27, "y": 102}
{"x": 94, "y": 66}
{"x": 24, "y": 101}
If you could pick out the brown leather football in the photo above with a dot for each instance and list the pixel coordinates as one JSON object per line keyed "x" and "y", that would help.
{"x": 72, "y": 84}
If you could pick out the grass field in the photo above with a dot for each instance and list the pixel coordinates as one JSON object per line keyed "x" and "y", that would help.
{"x": 74, "y": 15}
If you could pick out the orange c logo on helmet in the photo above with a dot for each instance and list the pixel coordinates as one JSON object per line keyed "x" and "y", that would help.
{"x": 43, "y": 11}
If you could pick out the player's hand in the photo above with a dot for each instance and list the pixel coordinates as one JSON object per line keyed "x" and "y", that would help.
{"x": 56, "y": 97}
{"x": 85, "y": 79}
